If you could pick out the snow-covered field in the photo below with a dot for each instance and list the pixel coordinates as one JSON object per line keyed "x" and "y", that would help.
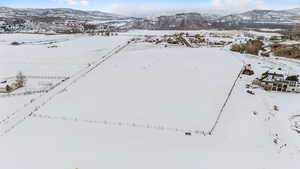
{"x": 130, "y": 105}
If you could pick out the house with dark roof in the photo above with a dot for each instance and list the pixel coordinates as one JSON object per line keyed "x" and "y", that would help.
{"x": 278, "y": 82}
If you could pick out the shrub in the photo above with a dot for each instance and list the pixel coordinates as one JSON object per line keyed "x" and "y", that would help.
{"x": 251, "y": 47}
{"x": 238, "y": 48}
{"x": 287, "y": 51}
{"x": 16, "y": 43}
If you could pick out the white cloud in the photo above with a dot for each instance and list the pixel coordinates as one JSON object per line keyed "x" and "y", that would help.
{"x": 154, "y": 8}
{"x": 238, "y": 5}
{"x": 84, "y": 2}
{"x": 149, "y": 10}
{"x": 222, "y": 7}
{"x": 74, "y": 2}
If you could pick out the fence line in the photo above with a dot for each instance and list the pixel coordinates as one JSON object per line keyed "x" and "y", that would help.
{"x": 46, "y": 77}
{"x": 36, "y": 91}
{"x": 24, "y": 93}
{"x": 225, "y": 103}
{"x": 36, "y": 77}
{"x": 121, "y": 124}
{"x": 5, "y": 123}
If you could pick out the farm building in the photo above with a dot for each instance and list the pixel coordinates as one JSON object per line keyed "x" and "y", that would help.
{"x": 278, "y": 82}
{"x": 10, "y": 85}
{"x": 247, "y": 70}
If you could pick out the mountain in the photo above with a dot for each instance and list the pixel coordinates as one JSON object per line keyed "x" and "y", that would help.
{"x": 181, "y": 21}
{"x": 59, "y": 20}
{"x": 252, "y": 19}
{"x": 65, "y": 20}
{"x": 262, "y": 17}
{"x": 63, "y": 13}
{"x": 295, "y": 11}
{"x": 283, "y": 19}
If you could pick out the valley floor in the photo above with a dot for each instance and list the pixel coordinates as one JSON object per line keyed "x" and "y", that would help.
{"x": 114, "y": 104}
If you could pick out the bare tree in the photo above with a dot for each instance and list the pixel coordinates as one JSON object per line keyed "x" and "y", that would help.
{"x": 21, "y": 79}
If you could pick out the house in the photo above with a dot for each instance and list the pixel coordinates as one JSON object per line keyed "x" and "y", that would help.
{"x": 8, "y": 86}
{"x": 12, "y": 84}
{"x": 278, "y": 82}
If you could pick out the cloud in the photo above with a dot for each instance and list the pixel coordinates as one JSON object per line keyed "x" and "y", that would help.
{"x": 73, "y": 2}
{"x": 132, "y": 10}
{"x": 150, "y": 10}
{"x": 220, "y": 7}
{"x": 238, "y": 5}
{"x": 84, "y": 2}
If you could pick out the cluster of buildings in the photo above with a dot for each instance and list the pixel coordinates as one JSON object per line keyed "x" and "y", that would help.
{"x": 272, "y": 81}
{"x": 278, "y": 82}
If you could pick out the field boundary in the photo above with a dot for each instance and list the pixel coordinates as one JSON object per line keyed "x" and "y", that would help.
{"x": 14, "y": 119}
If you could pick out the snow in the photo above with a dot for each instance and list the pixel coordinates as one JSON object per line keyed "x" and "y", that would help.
{"x": 124, "y": 112}
{"x": 156, "y": 86}
{"x": 75, "y": 51}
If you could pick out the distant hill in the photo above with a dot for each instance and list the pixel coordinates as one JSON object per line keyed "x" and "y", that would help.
{"x": 63, "y": 20}
{"x": 59, "y": 20}
{"x": 261, "y": 18}
{"x": 250, "y": 19}
{"x": 64, "y": 13}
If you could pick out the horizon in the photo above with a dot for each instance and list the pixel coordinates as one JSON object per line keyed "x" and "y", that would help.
{"x": 135, "y": 8}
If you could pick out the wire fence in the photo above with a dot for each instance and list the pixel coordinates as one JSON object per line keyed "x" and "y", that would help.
{"x": 20, "y": 115}
{"x": 123, "y": 124}
{"x": 14, "y": 119}
{"x": 47, "y": 77}
{"x": 23, "y": 93}
{"x": 225, "y": 103}
{"x": 32, "y": 92}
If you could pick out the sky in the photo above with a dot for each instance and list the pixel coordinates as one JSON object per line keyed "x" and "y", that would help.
{"x": 155, "y": 7}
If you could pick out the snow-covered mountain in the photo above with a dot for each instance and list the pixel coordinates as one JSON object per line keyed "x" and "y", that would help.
{"x": 71, "y": 20}
{"x": 295, "y": 11}
{"x": 180, "y": 21}
{"x": 264, "y": 16}
{"x": 250, "y": 19}
{"x": 58, "y": 13}
{"x": 60, "y": 20}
